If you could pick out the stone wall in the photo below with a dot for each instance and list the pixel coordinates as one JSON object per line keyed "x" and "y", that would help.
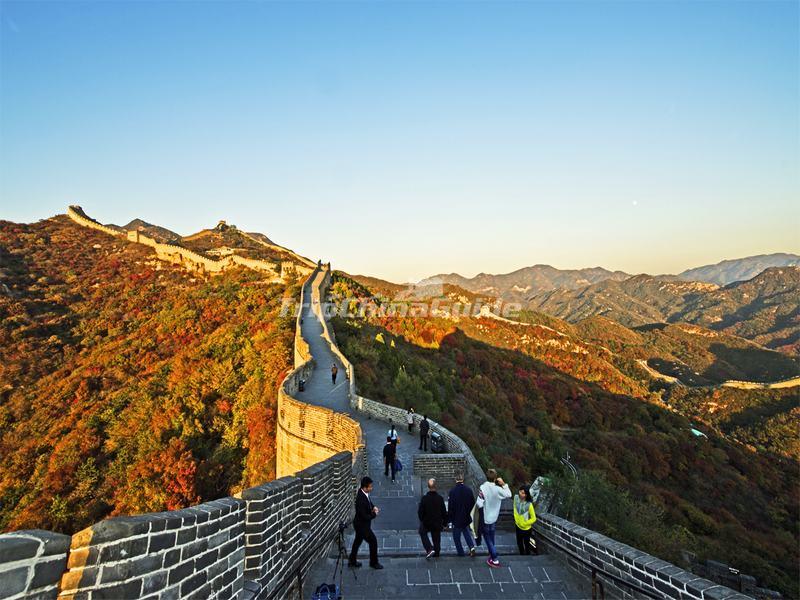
{"x": 197, "y": 262}
{"x": 291, "y": 521}
{"x": 309, "y": 264}
{"x": 754, "y": 385}
{"x": 308, "y": 434}
{"x": 474, "y": 474}
{"x": 625, "y": 572}
{"x": 194, "y": 552}
{"x": 76, "y": 214}
{"x": 260, "y": 545}
{"x": 31, "y": 563}
{"x": 443, "y": 467}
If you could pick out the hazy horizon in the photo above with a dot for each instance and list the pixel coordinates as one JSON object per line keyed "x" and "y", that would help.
{"x": 467, "y": 274}
{"x": 402, "y": 140}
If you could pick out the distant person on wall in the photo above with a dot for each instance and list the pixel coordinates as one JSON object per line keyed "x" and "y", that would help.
{"x": 424, "y": 428}
{"x": 410, "y": 419}
{"x": 432, "y": 515}
{"x": 460, "y": 502}
{"x": 389, "y": 457}
{"x": 334, "y": 372}
{"x": 392, "y": 433}
{"x": 524, "y": 518}
{"x": 362, "y": 524}
{"x": 492, "y": 493}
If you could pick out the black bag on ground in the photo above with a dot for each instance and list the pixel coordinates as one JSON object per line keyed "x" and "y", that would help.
{"x": 326, "y": 591}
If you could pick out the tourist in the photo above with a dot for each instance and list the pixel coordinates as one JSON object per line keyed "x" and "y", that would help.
{"x": 392, "y": 433}
{"x": 334, "y": 371}
{"x": 460, "y": 502}
{"x": 424, "y": 428}
{"x": 492, "y": 493}
{"x": 432, "y": 515}
{"x": 410, "y": 419}
{"x": 389, "y": 457}
{"x": 524, "y": 518}
{"x": 362, "y": 524}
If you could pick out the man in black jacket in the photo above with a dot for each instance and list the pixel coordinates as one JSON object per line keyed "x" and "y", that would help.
{"x": 362, "y": 524}
{"x": 433, "y": 518}
{"x": 424, "y": 427}
{"x": 389, "y": 457}
{"x": 460, "y": 503}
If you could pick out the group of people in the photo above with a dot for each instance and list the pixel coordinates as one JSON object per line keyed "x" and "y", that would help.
{"x": 390, "y": 461}
{"x": 461, "y": 511}
{"x": 424, "y": 428}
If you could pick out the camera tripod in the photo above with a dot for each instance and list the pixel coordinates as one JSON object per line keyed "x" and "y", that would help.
{"x": 341, "y": 559}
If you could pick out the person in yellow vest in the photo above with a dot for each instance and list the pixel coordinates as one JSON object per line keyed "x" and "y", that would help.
{"x": 524, "y": 518}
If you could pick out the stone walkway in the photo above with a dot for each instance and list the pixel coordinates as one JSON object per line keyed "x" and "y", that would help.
{"x": 398, "y": 500}
{"x": 407, "y": 574}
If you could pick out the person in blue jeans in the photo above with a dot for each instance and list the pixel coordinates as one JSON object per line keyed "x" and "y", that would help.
{"x": 460, "y": 502}
{"x": 491, "y": 494}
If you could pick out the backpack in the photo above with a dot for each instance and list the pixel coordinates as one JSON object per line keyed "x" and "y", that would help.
{"x": 326, "y": 591}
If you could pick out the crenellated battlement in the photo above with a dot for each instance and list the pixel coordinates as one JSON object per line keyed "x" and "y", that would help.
{"x": 193, "y": 261}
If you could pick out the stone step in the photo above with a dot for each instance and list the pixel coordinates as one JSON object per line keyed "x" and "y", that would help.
{"x": 538, "y": 577}
{"x": 406, "y": 542}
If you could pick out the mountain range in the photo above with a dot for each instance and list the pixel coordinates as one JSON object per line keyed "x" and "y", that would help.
{"x": 523, "y": 392}
{"x": 764, "y": 309}
{"x": 740, "y": 269}
{"x": 529, "y": 281}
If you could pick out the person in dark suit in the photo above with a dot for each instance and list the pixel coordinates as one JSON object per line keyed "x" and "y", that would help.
{"x": 362, "y": 524}
{"x": 389, "y": 457}
{"x": 460, "y": 503}
{"x": 432, "y": 515}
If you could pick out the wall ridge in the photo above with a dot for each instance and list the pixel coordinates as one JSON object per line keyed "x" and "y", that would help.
{"x": 193, "y": 261}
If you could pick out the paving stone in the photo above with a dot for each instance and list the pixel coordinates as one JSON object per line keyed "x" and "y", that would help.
{"x": 513, "y": 590}
{"x": 440, "y": 576}
{"x": 470, "y": 591}
{"x": 482, "y": 574}
{"x": 424, "y": 591}
{"x": 532, "y": 588}
{"x": 501, "y": 575}
{"x": 491, "y": 590}
{"x": 539, "y": 574}
{"x": 521, "y": 573}
{"x": 418, "y": 577}
{"x": 550, "y": 587}
{"x": 461, "y": 574}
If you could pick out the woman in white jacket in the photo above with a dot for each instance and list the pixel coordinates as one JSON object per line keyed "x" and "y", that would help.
{"x": 492, "y": 493}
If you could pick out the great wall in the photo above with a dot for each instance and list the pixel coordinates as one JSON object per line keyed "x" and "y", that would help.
{"x": 730, "y": 383}
{"x": 202, "y": 264}
{"x": 267, "y": 541}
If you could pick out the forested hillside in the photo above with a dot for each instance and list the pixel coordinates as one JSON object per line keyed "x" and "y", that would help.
{"x": 764, "y": 309}
{"x": 523, "y": 395}
{"x": 129, "y": 385}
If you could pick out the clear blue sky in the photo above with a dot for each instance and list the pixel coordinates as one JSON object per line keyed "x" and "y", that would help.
{"x": 402, "y": 139}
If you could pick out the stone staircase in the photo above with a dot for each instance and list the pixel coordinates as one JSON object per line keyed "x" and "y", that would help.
{"x": 408, "y": 574}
